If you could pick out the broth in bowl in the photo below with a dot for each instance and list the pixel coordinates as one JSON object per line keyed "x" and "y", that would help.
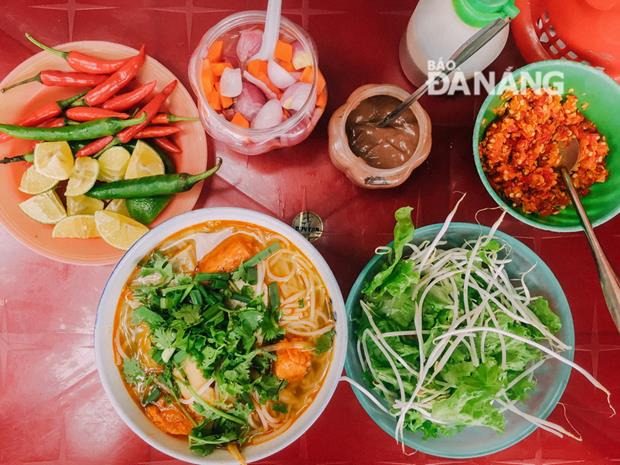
{"x": 224, "y": 335}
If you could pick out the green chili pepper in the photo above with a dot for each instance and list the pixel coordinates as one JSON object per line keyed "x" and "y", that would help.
{"x": 84, "y": 131}
{"x": 29, "y": 157}
{"x": 150, "y": 186}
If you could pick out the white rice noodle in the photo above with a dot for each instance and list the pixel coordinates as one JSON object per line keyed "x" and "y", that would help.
{"x": 301, "y": 345}
{"x": 119, "y": 346}
{"x": 252, "y": 420}
{"x": 292, "y": 299}
{"x": 318, "y": 332}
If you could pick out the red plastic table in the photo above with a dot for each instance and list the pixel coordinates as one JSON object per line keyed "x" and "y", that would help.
{"x": 52, "y": 407}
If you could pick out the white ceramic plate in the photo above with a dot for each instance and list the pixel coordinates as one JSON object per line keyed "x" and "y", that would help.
{"x": 132, "y": 415}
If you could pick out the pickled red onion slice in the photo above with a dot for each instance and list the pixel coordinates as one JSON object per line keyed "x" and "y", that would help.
{"x": 295, "y": 96}
{"x": 268, "y": 116}
{"x": 278, "y": 75}
{"x": 301, "y": 57}
{"x": 248, "y": 44}
{"x": 250, "y": 101}
{"x": 260, "y": 84}
{"x": 230, "y": 83}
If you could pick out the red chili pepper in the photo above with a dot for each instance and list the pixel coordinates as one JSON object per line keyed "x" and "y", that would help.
{"x": 128, "y": 100}
{"x": 91, "y": 113}
{"x": 80, "y": 61}
{"x": 156, "y": 131}
{"x": 50, "y": 77}
{"x": 150, "y": 109}
{"x": 116, "y": 81}
{"x": 94, "y": 147}
{"x": 168, "y": 118}
{"x": 47, "y": 111}
{"x": 53, "y": 123}
{"x": 167, "y": 145}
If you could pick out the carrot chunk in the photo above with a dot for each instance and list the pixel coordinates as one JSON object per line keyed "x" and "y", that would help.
{"x": 257, "y": 67}
{"x": 321, "y": 100}
{"x": 218, "y": 68}
{"x": 215, "y": 51}
{"x": 307, "y": 75}
{"x": 213, "y": 98}
{"x": 226, "y": 101}
{"x": 287, "y": 65}
{"x": 240, "y": 120}
{"x": 284, "y": 51}
{"x": 208, "y": 79}
{"x": 320, "y": 85}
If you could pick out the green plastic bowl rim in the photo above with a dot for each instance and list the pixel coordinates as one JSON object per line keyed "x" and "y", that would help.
{"x": 425, "y": 446}
{"x": 477, "y": 133}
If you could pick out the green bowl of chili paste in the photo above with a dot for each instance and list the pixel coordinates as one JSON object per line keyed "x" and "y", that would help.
{"x": 599, "y": 100}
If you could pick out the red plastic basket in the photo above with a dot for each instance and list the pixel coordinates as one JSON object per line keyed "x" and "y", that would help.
{"x": 580, "y": 30}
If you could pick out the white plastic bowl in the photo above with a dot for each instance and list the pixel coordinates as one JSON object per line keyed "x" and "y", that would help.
{"x": 110, "y": 377}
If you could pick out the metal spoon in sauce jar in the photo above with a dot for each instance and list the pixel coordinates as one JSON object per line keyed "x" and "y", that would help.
{"x": 460, "y": 56}
{"x": 569, "y": 154}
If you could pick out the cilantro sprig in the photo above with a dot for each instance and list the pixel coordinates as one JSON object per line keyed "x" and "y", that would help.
{"x": 215, "y": 322}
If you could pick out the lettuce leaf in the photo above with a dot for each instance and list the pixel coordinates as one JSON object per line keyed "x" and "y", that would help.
{"x": 403, "y": 233}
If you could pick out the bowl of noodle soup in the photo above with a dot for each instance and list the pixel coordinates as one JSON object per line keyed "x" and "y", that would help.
{"x": 220, "y": 336}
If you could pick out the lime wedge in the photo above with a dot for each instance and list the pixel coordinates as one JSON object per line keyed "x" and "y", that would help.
{"x": 118, "y": 230}
{"x": 144, "y": 161}
{"x": 45, "y": 208}
{"x": 83, "y": 177}
{"x": 76, "y": 227}
{"x": 53, "y": 159}
{"x": 118, "y": 206}
{"x": 113, "y": 164}
{"x": 34, "y": 183}
{"x": 82, "y": 205}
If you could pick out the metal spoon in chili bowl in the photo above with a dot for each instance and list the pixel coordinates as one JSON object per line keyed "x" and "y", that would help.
{"x": 569, "y": 155}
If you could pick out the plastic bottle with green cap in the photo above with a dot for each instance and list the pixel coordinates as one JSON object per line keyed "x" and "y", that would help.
{"x": 439, "y": 27}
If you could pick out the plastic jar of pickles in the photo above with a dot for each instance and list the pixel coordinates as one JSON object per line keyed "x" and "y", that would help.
{"x": 250, "y": 123}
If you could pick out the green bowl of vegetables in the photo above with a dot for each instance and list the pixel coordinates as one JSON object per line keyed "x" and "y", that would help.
{"x": 458, "y": 402}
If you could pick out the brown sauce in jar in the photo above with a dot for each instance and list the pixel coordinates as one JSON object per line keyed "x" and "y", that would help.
{"x": 387, "y": 147}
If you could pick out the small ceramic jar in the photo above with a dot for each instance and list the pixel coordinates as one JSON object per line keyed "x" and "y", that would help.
{"x": 356, "y": 169}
